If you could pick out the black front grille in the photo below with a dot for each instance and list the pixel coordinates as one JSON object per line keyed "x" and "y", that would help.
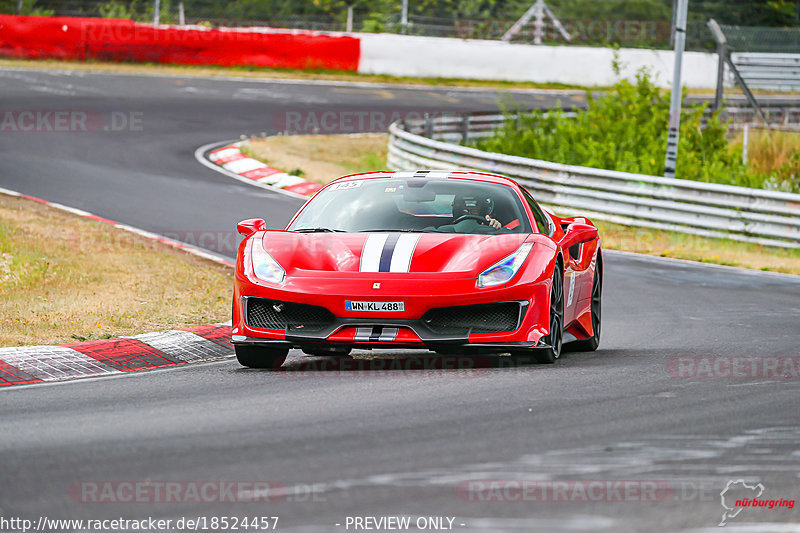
{"x": 290, "y": 316}
{"x": 485, "y": 318}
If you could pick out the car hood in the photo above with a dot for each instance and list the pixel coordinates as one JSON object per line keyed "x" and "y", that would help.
{"x": 320, "y": 253}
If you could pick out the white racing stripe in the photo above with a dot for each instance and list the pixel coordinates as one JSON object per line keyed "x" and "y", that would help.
{"x": 371, "y": 334}
{"x": 371, "y": 254}
{"x": 436, "y": 174}
{"x": 388, "y": 334}
{"x": 403, "y": 174}
{"x": 403, "y": 252}
{"x": 363, "y": 334}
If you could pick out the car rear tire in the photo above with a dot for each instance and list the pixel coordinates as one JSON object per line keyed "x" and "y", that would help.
{"x": 260, "y": 356}
{"x": 591, "y": 344}
{"x": 556, "y": 336}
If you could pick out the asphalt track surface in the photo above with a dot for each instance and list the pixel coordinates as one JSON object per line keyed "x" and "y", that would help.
{"x": 408, "y": 440}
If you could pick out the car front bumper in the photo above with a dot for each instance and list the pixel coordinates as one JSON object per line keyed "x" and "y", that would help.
{"x": 353, "y": 329}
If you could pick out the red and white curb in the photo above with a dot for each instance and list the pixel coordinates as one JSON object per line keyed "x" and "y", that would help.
{"x": 36, "y": 364}
{"x": 234, "y": 161}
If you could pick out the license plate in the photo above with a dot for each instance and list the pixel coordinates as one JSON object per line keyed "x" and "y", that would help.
{"x": 375, "y": 307}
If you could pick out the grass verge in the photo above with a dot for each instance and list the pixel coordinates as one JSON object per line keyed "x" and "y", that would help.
{"x": 323, "y": 158}
{"x": 66, "y": 279}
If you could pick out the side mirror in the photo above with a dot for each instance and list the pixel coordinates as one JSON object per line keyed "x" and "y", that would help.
{"x": 245, "y": 228}
{"x": 577, "y": 233}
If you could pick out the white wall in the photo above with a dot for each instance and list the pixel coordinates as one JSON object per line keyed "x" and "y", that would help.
{"x": 402, "y": 55}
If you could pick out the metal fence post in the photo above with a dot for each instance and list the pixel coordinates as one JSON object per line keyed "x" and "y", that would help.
{"x": 673, "y": 134}
{"x": 428, "y": 126}
{"x": 722, "y": 52}
{"x": 464, "y": 128}
{"x": 724, "y": 55}
{"x": 745, "y": 143}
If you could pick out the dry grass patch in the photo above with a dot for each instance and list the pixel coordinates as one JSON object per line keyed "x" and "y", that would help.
{"x": 775, "y": 155}
{"x": 64, "y": 279}
{"x": 321, "y": 158}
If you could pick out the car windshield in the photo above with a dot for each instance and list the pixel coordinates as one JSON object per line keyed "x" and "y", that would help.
{"x": 418, "y": 205}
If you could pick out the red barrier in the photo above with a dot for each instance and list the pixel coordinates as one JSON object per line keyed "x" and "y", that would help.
{"x": 124, "y": 40}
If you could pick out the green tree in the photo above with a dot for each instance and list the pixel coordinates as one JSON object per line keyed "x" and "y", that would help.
{"x": 613, "y": 9}
{"x": 625, "y": 129}
{"x": 749, "y": 12}
{"x": 29, "y": 7}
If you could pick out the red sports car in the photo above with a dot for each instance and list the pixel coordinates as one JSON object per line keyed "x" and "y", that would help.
{"x": 453, "y": 262}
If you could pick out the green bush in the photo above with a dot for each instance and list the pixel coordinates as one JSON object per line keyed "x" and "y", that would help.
{"x": 625, "y": 129}
{"x": 27, "y": 7}
{"x": 117, "y": 9}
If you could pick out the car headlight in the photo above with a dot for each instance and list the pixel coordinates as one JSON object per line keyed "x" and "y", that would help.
{"x": 505, "y": 269}
{"x": 264, "y": 266}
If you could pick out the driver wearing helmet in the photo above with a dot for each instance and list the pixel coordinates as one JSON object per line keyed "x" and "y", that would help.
{"x": 474, "y": 208}
{"x": 471, "y": 214}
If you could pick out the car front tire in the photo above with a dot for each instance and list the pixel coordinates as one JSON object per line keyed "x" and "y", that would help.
{"x": 327, "y": 352}
{"x": 253, "y": 356}
{"x": 554, "y": 339}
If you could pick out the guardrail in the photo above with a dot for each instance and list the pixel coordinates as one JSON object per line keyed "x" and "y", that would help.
{"x": 774, "y": 72}
{"x": 708, "y": 209}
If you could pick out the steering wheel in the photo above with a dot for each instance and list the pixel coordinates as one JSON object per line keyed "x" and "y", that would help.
{"x": 473, "y": 217}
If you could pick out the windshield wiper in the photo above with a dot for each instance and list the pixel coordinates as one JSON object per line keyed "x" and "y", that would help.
{"x": 318, "y": 230}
